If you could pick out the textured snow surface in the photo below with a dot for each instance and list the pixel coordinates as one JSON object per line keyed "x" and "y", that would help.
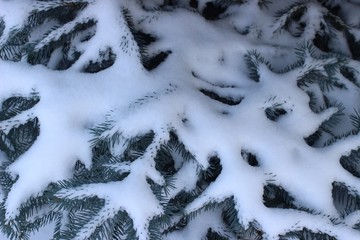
{"x": 139, "y": 101}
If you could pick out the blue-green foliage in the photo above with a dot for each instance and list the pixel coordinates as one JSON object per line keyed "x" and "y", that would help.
{"x": 328, "y": 71}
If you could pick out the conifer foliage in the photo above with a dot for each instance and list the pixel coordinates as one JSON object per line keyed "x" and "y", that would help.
{"x": 200, "y": 119}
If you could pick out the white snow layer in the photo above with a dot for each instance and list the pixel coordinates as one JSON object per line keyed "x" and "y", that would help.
{"x": 72, "y": 102}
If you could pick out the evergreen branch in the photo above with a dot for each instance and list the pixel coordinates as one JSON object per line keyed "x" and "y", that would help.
{"x": 335, "y": 21}
{"x": 230, "y": 217}
{"x": 23, "y": 136}
{"x": 106, "y": 59}
{"x": 34, "y": 214}
{"x": 98, "y": 225}
{"x": 276, "y": 197}
{"x": 325, "y": 82}
{"x": 59, "y": 225}
{"x": 122, "y": 167}
{"x": 12, "y": 229}
{"x": 157, "y": 224}
{"x": 15, "y": 105}
{"x": 209, "y": 206}
{"x": 5, "y": 144}
{"x": 313, "y": 103}
{"x": 161, "y": 154}
{"x": 78, "y": 218}
{"x": 250, "y": 158}
{"x": 2, "y": 26}
{"x": 40, "y": 222}
{"x": 168, "y": 157}
{"x": 6, "y": 180}
{"x": 306, "y": 234}
{"x": 293, "y": 12}
{"x": 353, "y": 43}
{"x": 335, "y": 119}
{"x": 63, "y": 11}
{"x": 231, "y": 101}
{"x": 124, "y": 228}
{"x": 305, "y": 49}
{"x": 329, "y": 125}
{"x": 275, "y": 111}
{"x": 351, "y": 163}
{"x": 264, "y": 3}
{"x": 291, "y": 8}
{"x": 70, "y": 28}
{"x": 12, "y": 49}
{"x": 340, "y": 137}
{"x": 349, "y": 74}
{"x": 314, "y": 76}
{"x": 60, "y": 37}
{"x": 345, "y": 201}
{"x": 176, "y": 226}
{"x": 357, "y": 226}
{"x": 231, "y": 220}
{"x": 143, "y": 40}
{"x": 16, "y": 45}
{"x": 355, "y": 119}
{"x": 253, "y": 60}
{"x": 100, "y": 132}
{"x": 10, "y": 52}
{"x": 137, "y": 146}
{"x": 298, "y": 64}
{"x": 215, "y": 235}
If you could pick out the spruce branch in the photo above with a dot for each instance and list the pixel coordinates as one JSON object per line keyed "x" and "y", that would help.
{"x": 355, "y": 119}
{"x": 60, "y": 37}
{"x": 294, "y": 12}
{"x": 345, "y": 200}
{"x": 306, "y": 234}
{"x": 253, "y": 60}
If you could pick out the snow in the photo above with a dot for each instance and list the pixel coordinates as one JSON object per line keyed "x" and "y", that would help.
{"x": 138, "y": 101}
